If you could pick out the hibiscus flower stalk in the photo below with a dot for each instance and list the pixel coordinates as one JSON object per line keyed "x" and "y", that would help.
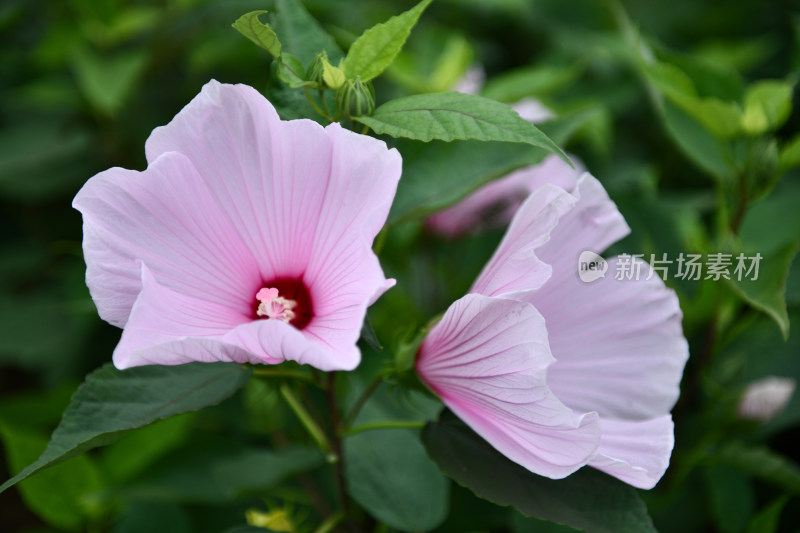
{"x": 323, "y": 113}
{"x": 312, "y": 427}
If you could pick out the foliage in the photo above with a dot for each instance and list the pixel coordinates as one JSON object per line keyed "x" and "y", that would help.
{"x": 685, "y": 113}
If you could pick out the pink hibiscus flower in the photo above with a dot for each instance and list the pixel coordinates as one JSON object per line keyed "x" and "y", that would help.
{"x": 494, "y": 204}
{"x": 246, "y": 239}
{"x": 556, "y": 373}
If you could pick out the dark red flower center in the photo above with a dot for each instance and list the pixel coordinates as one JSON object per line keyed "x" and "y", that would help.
{"x": 286, "y": 299}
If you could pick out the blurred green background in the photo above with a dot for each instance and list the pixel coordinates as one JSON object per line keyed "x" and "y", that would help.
{"x": 83, "y": 82}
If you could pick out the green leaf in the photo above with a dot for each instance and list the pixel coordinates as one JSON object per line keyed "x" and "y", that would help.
{"x": 766, "y": 293}
{"x": 763, "y": 463}
{"x": 709, "y": 78}
{"x": 377, "y": 47}
{"x": 455, "y": 116}
{"x": 253, "y": 470}
{"x": 768, "y": 519}
{"x": 300, "y": 34}
{"x": 435, "y": 61}
{"x": 220, "y": 470}
{"x": 258, "y": 32}
{"x": 767, "y": 105}
{"x": 291, "y": 71}
{"x": 669, "y": 79}
{"x": 699, "y": 145}
{"x": 34, "y": 328}
{"x": 111, "y": 402}
{"x": 732, "y": 498}
{"x": 108, "y": 83}
{"x": 460, "y": 167}
{"x": 790, "y": 153}
{"x": 530, "y": 81}
{"x": 524, "y": 524}
{"x": 569, "y": 125}
{"x": 760, "y": 227}
{"x": 389, "y": 474}
{"x": 738, "y": 54}
{"x": 452, "y": 63}
{"x": 333, "y": 76}
{"x": 719, "y": 117}
{"x": 40, "y": 160}
{"x": 61, "y": 496}
{"x": 369, "y": 336}
{"x": 291, "y": 104}
{"x": 36, "y": 408}
{"x": 154, "y": 517}
{"x": 588, "y": 499}
{"x": 137, "y": 450}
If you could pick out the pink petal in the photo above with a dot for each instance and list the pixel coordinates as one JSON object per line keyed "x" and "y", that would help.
{"x": 234, "y": 198}
{"x": 515, "y": 265}
{"x": 281, "y": 182}
{"x": 307, "y": 200}
{"x": 593, "y": 224}
{"x": 167, "y": 327}
{"x": 619, "y": 344}
{"x": 532, "y": 110}
{"x": 341, "y": 268}
{"x": 487, "y": 359}
{"x": 167, "y": 218}
{"x": 494, "y": 204}
{"x": 170, "y": 328}
{"x": 636, "y": 452}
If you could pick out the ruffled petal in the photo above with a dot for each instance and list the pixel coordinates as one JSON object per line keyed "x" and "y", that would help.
{"x": 494, "y": 204}
{"x": 342, "y": 271}
{"x": 618, "y": 344}
{"x": 487, "y": 359}
{"x": 515, "y": 265}
{"x": 635, "y": 452}
{"x": 170, "y": 328}
{"x": 167, "y": 218}
{"x": 593, "y": 224}
{"x": 167, "y": 327}
{"x": 308, "y": 200}
{"x": 236, "y": 141}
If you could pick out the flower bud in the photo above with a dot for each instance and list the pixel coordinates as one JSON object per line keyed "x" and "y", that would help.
{"x": 316, "y": 70}
{"x": 764, "y": 399}
{"x": 356, "y": 98}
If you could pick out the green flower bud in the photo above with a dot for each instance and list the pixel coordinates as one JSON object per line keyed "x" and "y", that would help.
{"x": 316, "y": 70}
{"x": 355, "y": 98}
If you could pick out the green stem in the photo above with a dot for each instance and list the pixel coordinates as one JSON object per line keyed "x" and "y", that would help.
{"x": 308, "y": 422}
{"x": 338, "y": 467}
{"x": 321, "y": 95}
{"x": 386, "y": 424}
{"x": 741, "y": 209}
{"x": 365, "y": 130}
{"x": 351, "y": 416}
{"x": 319, "y": 111}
